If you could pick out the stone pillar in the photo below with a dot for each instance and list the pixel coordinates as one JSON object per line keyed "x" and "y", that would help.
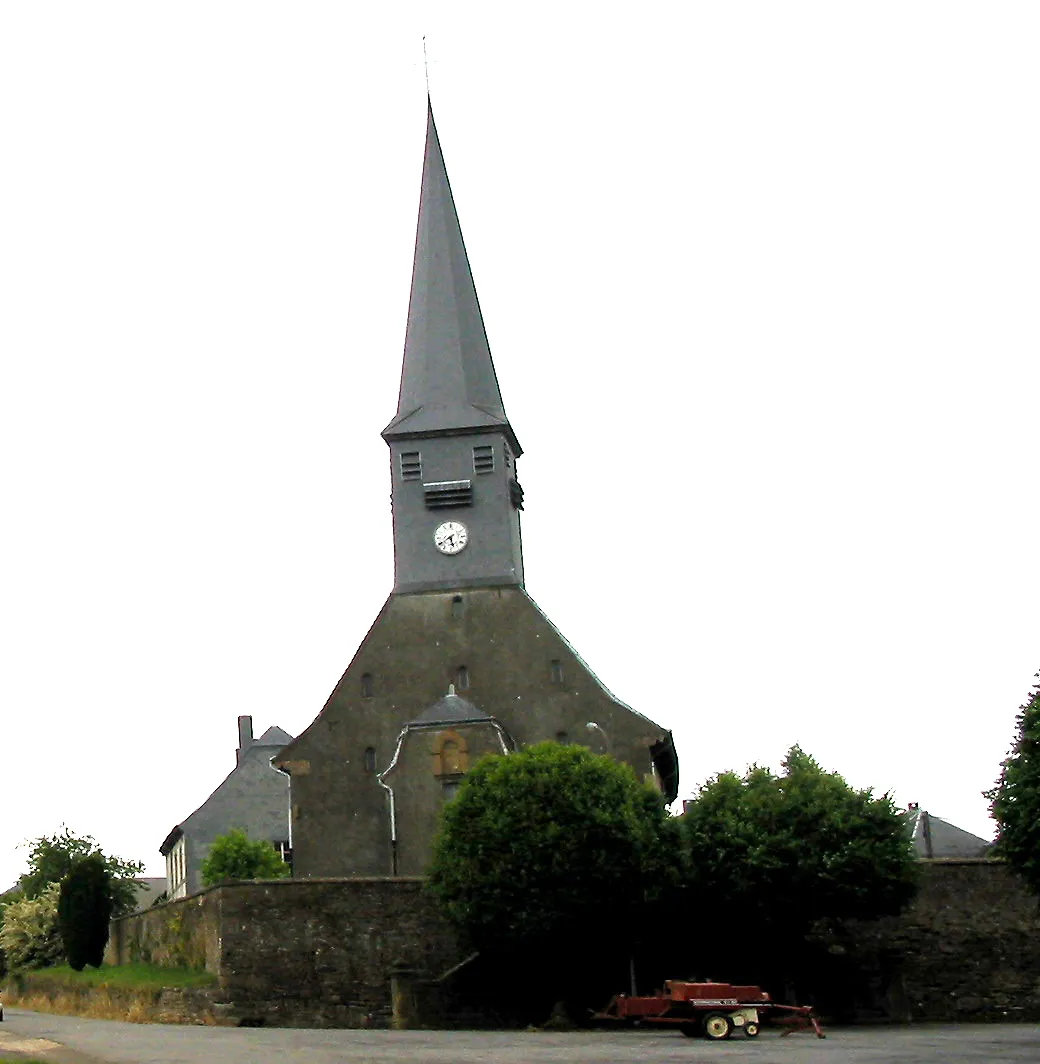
{"x": 404, "y": 998}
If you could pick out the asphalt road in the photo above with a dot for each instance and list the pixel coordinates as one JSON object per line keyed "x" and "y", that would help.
{"x": 70, "y": 1040}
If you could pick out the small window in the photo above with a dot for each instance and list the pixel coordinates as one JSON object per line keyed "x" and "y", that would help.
{"x": 370, "y": 759}
{"x": 556, "y": 670}
{"x": 562, "y": 738}
{"x": 451, "y": 788}
{"x": 458, "y": 607}
{"x": 367, "y": 685}
{"x": 484, "y": 459}
{"x": 411, "y": 465}
{"x": 461, "y": 678}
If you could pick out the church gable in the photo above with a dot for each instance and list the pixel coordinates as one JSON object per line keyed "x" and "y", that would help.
{"x": 501, "y": 655}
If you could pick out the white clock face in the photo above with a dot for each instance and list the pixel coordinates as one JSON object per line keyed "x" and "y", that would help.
{"x": 451, "y": 537}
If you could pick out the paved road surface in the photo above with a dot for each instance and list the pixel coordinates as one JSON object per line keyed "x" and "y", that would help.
{"x": 92, "y": 1041}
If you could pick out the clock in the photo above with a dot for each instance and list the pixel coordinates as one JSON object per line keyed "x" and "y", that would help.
{"x": 451, "y": 537}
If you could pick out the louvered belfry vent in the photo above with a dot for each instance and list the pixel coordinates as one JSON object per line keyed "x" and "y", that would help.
{"x": 484, "y": 459}
{"x": 445, "y": 493}
{"x": 411, "y": 465}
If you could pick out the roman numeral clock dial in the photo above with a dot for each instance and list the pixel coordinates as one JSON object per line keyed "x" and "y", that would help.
{"x": 451, "y": 537}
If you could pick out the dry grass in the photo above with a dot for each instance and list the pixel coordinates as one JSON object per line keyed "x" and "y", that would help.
{"x": 95, "y": 1006}
{"x": 99, "y": 1001}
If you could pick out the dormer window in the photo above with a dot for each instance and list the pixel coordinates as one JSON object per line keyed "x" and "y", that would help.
{"x": 411, "y": 465}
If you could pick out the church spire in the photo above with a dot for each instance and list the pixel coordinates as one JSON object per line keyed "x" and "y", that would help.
{"x": 448, "y": 381}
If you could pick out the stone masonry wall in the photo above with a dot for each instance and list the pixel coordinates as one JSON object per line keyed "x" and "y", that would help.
{"x": 967, "y": 949}
{"x": 320, "y": 952}
{"x": 297, "y": 952}
{"x": 180, "y": 934}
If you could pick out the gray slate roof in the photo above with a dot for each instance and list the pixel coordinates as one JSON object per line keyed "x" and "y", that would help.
{"x": 451, "y": 709}
{"x": 274, "y": 736}
{"x": 448, "y": 380}
{"x": 934, "y": 837}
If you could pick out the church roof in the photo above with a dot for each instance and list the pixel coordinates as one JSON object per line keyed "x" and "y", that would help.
{"x": 448, "y": 381}
{"x": 451, "y": 709}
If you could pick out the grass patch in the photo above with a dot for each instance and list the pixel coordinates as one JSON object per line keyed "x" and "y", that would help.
{"x": 128, "y": 976}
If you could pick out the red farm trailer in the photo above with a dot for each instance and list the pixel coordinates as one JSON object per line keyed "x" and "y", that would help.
{"x": 714, "y": 1010}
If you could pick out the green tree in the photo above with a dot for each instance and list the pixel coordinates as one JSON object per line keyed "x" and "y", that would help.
{"x": 51, "y": 858}
{"x": 554, "y": 853}
{"x": 771, "y": 855}
{"x": 237, "y": 856}
{"x": 29, "y": 936}
{"x": 1015, "y": 800}
{"x": 84, "y": 909}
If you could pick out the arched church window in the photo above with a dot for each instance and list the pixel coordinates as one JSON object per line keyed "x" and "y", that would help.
{"x": 556, "y": 670}
{"x": 461, "y": 678}
{"x": 367, "y": 685}
{"x": 370, "y": 759}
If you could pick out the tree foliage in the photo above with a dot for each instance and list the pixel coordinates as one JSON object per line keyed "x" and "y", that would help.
{"x": 776, "y": 853}
{"x": 84, "y": 909}
{"x": 29, "y": 936}
{"x": 237, "y": 856}
{"x": 51, "y": 858}
{"x": 1015, "y": 800}
{"x": 553, "y": 849}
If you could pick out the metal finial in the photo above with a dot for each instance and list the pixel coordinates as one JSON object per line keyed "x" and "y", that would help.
{"x": 426, "y": 65}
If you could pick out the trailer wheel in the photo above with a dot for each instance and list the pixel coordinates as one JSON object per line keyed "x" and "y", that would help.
{"x": 751, "y": 1030}
{"x": 717, "y": 1026}
{"x": 691, "y": 1030}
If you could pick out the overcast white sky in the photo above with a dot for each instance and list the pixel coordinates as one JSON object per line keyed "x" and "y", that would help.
{"x": 760, "y": 281}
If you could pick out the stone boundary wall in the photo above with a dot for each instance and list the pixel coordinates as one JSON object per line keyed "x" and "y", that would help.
{"x": 331, "y": 952}
{"x": 968, "y": 948}
{"x": 297, "y": 952}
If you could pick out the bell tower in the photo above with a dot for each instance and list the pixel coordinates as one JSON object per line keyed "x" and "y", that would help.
{"x": 456, "y": 499}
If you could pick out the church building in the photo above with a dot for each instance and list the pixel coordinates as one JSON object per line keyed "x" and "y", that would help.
{"x": 460, "y": 661}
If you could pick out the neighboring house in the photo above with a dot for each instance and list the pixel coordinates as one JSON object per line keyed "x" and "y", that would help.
{"x": 933, "y": 837}
{"x": 460, "y": 661}
{"x": 254, "y": 798}
{"x": 149, "y": 888}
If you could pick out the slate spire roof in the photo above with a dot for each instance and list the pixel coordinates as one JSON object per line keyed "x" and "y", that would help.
{"x": 448, "y": 381}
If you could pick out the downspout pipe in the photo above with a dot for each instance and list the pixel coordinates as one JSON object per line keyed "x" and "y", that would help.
{"x": 504, "y": 741}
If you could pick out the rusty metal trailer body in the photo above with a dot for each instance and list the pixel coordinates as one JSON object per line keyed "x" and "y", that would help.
{"x": 712, "y": 1009}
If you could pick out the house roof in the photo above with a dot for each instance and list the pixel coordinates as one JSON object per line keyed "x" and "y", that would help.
{"x": 934, "y": 837}
{"x": 148, "y": 889}
{"x": 274, "y": 736}
{"x": 448, "y": 381}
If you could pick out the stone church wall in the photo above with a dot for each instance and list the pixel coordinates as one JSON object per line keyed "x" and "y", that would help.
{"x": 330, "y": 952}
